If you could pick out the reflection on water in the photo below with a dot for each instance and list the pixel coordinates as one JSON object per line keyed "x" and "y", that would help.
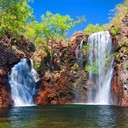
{"x": 21, "y": 117}
{"x": 104, "y": 116}
{"x": 64, "y": 116}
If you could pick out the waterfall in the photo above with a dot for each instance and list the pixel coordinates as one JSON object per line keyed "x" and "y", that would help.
{"x": 101, "y": 70}
{"x": 22, "y": 80}
{"x": 79, "y": 55}
{"x": 79, "y": 58}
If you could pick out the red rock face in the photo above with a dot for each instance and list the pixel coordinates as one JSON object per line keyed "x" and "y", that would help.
{"x": 52, "y": 89}
{"x": 5, "y": 95}
{"x": 120, "y": 80}
{"x": 120, "y": 77}
{"x": 58, "y": 86}
{"x": 117, "y": 88}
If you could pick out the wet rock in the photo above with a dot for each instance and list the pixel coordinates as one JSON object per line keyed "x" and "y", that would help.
{"x": 5, "y": 95}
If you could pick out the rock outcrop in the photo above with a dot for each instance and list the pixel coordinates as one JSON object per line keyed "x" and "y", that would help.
{"x": 53, "y": 89}
{"x": 65, "y": 83}
{"x": 120, "y": 77}
{"x": 5, "y": 95}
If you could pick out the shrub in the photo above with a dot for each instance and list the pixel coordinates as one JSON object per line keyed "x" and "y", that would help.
{"x": 126, "y": 66}
{"x": 92, "y": 67}
{"x": 95, "y": 28}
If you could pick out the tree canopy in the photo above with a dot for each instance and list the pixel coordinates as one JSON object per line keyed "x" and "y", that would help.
{"x": 52, "y": 26}
{"x": 15, "y": 15}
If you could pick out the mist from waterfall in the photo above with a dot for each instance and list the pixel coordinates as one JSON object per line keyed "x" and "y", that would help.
{"x": 99, "y": 57}
{"x": 23, "y": 80}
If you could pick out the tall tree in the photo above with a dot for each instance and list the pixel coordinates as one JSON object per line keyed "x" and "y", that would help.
{"x": 52, "y": 26}
{"x": 14, "y": 16}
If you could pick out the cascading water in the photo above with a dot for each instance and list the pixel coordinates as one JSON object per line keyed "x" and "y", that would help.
{"x": 100, "y": 61}
{"x": 79, "y": 55}
{"x": 22, "y": 80}
{"x": 79, "y": 58}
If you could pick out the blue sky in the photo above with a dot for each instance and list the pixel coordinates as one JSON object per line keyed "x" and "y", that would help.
{"x": 95, "y": 11}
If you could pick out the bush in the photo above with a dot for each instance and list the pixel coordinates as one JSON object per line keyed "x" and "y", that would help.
{"x": 114, "y": 30}
{"x": 92, "y": 67}
{"x": 95, "y": 28}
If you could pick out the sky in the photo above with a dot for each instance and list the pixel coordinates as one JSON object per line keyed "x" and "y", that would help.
{"x": 95, "y": 11}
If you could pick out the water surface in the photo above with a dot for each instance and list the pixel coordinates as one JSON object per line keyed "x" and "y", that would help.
{"x": 65, "y": 116}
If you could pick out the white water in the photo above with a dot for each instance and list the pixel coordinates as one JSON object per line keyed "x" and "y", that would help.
{"x": 79, "y": 55}
{"x": 22, "y": 80}
{"x": 99, "y": 46}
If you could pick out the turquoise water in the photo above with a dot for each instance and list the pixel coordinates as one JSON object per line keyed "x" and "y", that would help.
{"x": 64, "y": 116}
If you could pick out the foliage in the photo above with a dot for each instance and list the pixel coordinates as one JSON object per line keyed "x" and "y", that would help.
{"x": 52, "y": 26}
{"x": 120, "y": 11}
{"x": 38, "y": 65}
{"x": 92, "y": 67}
{"x": 126, "y": 66}
{"x": 74, "y": 67}
{"x": 34, "y": 32}
{"x": 95, "y": 28}
{"x": 56, "y": 25}
{"x": 14, "y": 17}
{"x": 109, "y": 58}
{"x": 114, "y": 30}
{"x": 84, "y": 49}
{"x": 124, "y": 43}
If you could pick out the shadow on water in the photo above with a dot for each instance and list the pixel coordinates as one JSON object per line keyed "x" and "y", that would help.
{"x": 64, "y": 116}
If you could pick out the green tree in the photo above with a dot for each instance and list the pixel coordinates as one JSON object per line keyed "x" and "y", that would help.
{"x": 56, "y": 25}
{"x": 14, "y": 17}
{"x": 53, "y": 26}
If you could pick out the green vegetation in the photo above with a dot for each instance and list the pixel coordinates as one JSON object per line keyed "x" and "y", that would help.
{"x": 14, "y": 16}
{"x": 17, "y": 23}
{"x": 126, "y": 66}
{"x": 17, "y": 19}
{"x": 74, "y": 67}
{"x": 114, "y": 30}
{"x": 53, "y": 26}
{"x": 95, "y": 28}
{"x": 92, "y": 67}
{"x": 121, "y": 10}
{"x": 84, "y": 49}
